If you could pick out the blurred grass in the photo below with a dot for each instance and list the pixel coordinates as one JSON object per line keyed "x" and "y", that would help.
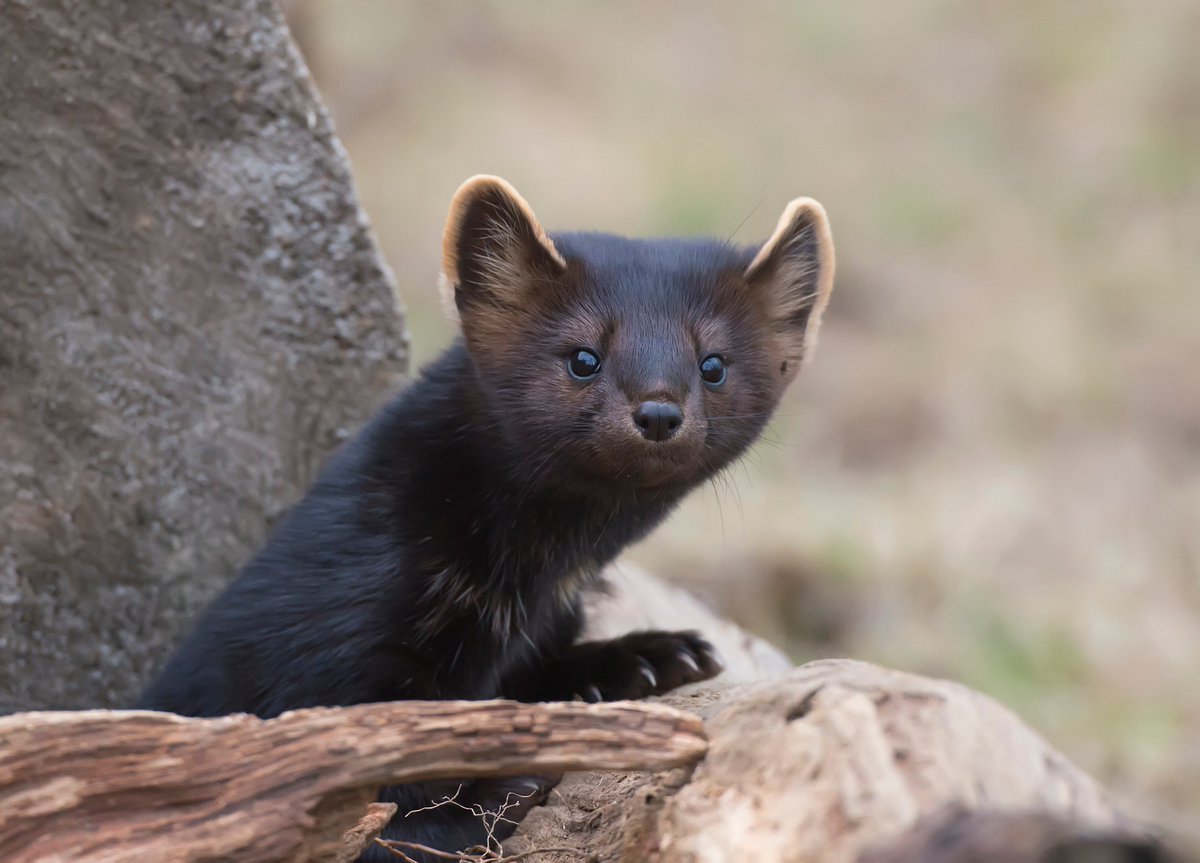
{"x": 990, "y": 471}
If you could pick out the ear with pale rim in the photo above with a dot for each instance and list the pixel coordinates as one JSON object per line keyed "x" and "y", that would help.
{"x": 792, "y": 274}
{"x": 494, "y": 250}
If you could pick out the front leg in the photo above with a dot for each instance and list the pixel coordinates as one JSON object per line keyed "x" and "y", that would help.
{"x": 636, "y": 665}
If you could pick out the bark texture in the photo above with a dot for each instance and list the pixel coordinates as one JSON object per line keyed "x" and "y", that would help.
{"x": 127, "y": 786}
{"x": 193, "y": 312}
{"x": 820, "y": 764}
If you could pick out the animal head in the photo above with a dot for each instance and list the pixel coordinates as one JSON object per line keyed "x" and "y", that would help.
{"x": 625, "y": 363}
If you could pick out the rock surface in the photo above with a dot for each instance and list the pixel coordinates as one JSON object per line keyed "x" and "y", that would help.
{"x": 193, "y": 313}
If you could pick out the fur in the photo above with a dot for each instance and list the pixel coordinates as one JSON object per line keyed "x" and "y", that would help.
{"x": 441, "y": 552}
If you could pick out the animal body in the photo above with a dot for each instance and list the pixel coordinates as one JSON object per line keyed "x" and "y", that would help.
{"x": 441, "y": 552}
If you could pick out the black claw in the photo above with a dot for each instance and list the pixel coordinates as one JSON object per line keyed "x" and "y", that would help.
{"x": 641, "y": 664}
{"x": 712, "y": 659}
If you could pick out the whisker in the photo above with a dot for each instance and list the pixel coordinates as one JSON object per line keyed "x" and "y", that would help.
{"x": 720, "y": 509}
{"x": 743, "y": 222}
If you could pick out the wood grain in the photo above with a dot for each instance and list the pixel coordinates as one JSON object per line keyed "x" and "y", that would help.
{"x": 136, "y": 786}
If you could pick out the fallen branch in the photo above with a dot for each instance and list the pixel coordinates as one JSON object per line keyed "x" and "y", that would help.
{"x": 117, "y": 786}
{"x": 367, "y": 830}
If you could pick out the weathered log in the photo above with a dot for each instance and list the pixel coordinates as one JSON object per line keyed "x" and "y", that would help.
{"x": 820, "y": 764}
{"x": 130, "y": 786}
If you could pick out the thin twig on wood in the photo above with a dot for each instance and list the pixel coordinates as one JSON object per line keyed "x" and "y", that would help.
{"x": 491, "y": 852}
{"x": 395, "y": 846}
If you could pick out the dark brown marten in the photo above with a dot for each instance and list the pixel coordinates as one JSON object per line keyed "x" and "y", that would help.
{"x": 442, "y": 551}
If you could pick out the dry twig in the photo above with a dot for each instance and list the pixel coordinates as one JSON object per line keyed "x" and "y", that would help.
{"x": 492, "y": 852}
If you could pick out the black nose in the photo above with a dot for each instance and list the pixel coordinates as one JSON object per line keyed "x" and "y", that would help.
{"x": 657, "y": 421}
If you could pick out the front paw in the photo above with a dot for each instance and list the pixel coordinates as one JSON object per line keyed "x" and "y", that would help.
{"x": 642, "y": 664}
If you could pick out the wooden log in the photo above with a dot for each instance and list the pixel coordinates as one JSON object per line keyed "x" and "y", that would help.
{"x": 134, "y": 786}
{"x": 820, "y": 765}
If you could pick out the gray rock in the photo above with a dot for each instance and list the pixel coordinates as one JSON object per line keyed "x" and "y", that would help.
{"x": 193, "y": 312}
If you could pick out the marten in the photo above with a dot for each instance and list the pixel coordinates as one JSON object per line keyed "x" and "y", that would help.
{"x": 441, "y": 553}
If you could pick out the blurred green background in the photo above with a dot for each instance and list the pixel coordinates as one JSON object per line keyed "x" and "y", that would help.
{"x": 990, "y": 470}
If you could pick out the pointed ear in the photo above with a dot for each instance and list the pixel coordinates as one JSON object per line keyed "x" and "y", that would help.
{"x": 494, "y": 250}
{"x": 792, "y": 274}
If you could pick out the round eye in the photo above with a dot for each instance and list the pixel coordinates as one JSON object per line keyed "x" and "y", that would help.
{"x": 583, "y": 365}
{"x": 712, "y": 370}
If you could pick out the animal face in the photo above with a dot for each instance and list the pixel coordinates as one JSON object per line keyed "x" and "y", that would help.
{"x": 621, "y": 364}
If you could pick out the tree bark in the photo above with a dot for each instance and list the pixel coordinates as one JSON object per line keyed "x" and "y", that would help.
{"x": 357, "y": 838}
{"x": 129, "y": 786}
{"x": 193, "y": 312}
